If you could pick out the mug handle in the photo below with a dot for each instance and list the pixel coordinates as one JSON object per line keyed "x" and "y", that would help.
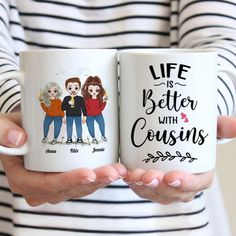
{"x": 232, "y": 74}
{"x": 19, "y": 76}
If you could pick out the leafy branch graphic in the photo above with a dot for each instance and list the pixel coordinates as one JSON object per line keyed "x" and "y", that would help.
{"x": 168, "y": 156}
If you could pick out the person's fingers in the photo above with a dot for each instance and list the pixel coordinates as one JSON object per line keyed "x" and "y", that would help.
{"x": 57, "y": 182}
{"x": 107, "y": 174}
{"x": 135, "y": 176}
{"x": 15, "y": 117}
{"x": 189, "y": 182}
{"x": 226, "y": 127}
{"x": 11, "y": 162}
{"x": 104, "y": 175}
{"x": 120, "y": 168}
{"x": 11, "y": 135}
{"x": 37, "y": 182}
{"x": 10, "y": 166}
{"x": 152, "y": 178}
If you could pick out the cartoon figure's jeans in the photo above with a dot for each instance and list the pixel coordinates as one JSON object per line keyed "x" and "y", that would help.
{"x": 101, "y": 123}
{"x": 78, "y": 125}
{"x": 57, "y": 125}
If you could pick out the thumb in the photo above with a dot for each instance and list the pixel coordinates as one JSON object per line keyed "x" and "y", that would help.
{"x": 11, "y": 134}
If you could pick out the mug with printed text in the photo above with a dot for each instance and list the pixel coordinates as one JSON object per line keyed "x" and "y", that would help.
{"x": 69, "y": 108}
{"x": 168, "y": 114}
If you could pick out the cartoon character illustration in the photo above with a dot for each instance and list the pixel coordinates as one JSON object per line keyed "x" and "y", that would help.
{"x": 95, "y": 100}
{"x": 75, "y": 109}
{"x": 51, "y": 104}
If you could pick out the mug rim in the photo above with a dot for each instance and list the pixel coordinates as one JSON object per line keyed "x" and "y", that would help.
{"x": 166, "y": 51}
{"x": 64, "y": 50}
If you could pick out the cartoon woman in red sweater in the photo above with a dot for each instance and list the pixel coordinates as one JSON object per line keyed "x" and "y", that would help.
{"x": 51, "y": 104}
{"x": 95, "y": 101}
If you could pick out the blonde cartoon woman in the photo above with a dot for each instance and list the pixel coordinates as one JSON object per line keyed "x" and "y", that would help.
{"x": 95, "y": 101}
{"x": 51, "y": 104}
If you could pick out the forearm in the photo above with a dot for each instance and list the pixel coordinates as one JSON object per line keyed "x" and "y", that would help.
{"x": 211, "y": 25}
{"x": 9, "y": 89}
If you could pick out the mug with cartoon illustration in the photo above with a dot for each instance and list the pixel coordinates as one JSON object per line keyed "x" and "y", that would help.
{"x": 95, "y": 101}
{"x": 51, "y": 104}
{"x": 75, "y": 109}
{"x": 51, "y": 82}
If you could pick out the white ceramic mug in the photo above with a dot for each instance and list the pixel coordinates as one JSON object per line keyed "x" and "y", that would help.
{"x": 69, "y": 108}
{"x": 168, "y": 109}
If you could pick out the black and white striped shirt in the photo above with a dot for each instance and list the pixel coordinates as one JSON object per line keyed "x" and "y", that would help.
{"x": 38, "y": 24}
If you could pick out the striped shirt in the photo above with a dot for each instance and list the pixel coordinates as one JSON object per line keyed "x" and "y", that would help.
{"x": 121, "y": 24}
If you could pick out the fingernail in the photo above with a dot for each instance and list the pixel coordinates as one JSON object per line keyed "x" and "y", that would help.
{"x": 139, "y": 183}
{"x": 175, "y": 184}
{"x": 87, "y": 180}
{"x": 154, "y": 183}
{"x": 108, "y": 180}
{"x": 14, "y": 137}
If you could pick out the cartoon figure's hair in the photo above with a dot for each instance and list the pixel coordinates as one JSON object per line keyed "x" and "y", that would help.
{"x": 93, "y": 80}
{"x": 73, "y": 80}
{"x": 45, "y": 96}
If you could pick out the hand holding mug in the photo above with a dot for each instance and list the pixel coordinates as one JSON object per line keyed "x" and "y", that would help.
{"x": 167, "y": 188}
{"x": 177, "y": 186}
{"x": 38, "y": 188}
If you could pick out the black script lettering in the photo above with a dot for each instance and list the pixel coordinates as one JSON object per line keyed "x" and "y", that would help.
{"x": 169, "y": 101}
{"x": 169, "y": 67}
{"x": 170, "y": 83}
{"x": 147, "y": 97}
{"x": 140, "y": 123}
{"x": 193, "y": 134}
{"x": 182, "y": 68}
{"x": 173, "y": 101}
{"x": 74, "y": 150}
{"x": 148, "y": 135}
{"x": 139, "y": 138}
{"x": 162, "y": 136}
{"x": 165, "y": 70}
{"x": 48, "y": 151}
{"x": 153, "y": 72}
{"x": 172, "y": 139}
{"x": 168, "y": 120}
{"x": 98, "y": 150}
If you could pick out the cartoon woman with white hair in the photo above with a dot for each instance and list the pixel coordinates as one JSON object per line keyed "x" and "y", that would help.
{"x": 51, "y": 104}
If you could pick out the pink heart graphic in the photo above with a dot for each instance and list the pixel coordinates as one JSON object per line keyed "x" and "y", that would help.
{"x": 183, "y": 116}
{"x": 186, "y": 120}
